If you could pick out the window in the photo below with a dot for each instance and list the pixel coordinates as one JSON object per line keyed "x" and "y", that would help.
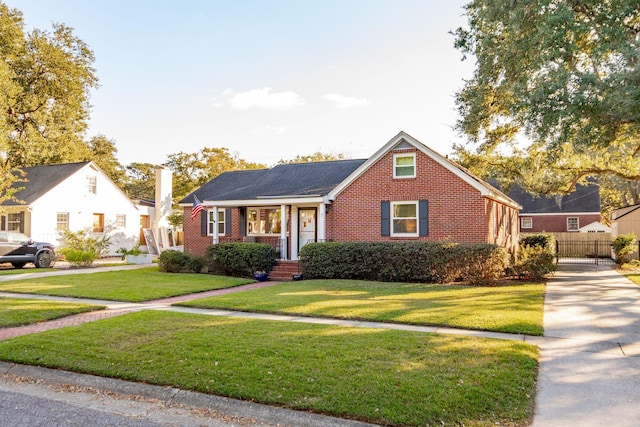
{"x": 121, "y": 220}
{"x": 221, "y": 222}
{"x": 404, "y": 165}
{"x": 14, "y": 222}
{"x": 263, "y": 221}
{"x": 526, "y": 223}
{"x": 98, "y": 223}
{"x": 92, "y": 185}
{"x": 62, "y": 221}
{"x": 404, "y": 219}
{"x": 573, "y": 223}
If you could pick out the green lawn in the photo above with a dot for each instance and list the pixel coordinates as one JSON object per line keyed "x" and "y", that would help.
{"x": 634, "y": 277}
{"x": 124, "y": 285}
{"x": 19, "y": 311}
{"x": 514, "y": 309}
{"x": 7, "y": 269}
{"x": 383, "y": 376}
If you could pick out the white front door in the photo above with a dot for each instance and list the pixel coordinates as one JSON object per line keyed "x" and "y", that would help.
{"x": 307, "y": 227}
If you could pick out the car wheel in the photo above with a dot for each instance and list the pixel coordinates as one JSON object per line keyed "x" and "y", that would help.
{"x": 44, "y": 260}
{"x": 18, "y": 264}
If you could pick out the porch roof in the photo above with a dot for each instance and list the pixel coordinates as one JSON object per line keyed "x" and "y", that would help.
{"x": 284, "y": 181}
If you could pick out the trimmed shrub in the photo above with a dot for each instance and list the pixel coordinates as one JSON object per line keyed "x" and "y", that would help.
{"x": 623, "y": 246}
{"x": 439, "y": 262}
{"x": 81, "y": 248}
{"x": 171, "y": 261}
{"x": 240, "y": 259}
{"x": 536, "y": 257}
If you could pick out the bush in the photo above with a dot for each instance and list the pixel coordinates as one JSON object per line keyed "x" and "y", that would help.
{"x": 623, "y": 246}
{"x": 240, "y": 259}
{"x": 81, "y": 248}
{"x": 536, "y": 257}
{"x": 544, "y": 240}
{"x": 440, "y": 262}
{"x": 171, "y": 261}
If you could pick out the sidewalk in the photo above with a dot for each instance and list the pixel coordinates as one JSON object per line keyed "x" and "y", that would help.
{"x": 590, "y": 357}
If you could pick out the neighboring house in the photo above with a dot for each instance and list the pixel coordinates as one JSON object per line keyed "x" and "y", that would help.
{"x": 557, "y": 214}
{"x": 404, "y": 192}
{"x": 75, "y": 196}
{"x": 625, "y": 220}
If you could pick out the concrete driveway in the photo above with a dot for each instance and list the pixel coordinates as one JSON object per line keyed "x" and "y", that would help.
{"x": 590, "y": 357}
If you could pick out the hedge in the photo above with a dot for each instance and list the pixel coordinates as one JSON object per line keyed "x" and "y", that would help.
{"x": 239, "y": 259}
{"x": 429, "y": 262}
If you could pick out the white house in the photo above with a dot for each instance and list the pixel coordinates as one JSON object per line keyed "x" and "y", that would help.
{"x": 75, "y": 196}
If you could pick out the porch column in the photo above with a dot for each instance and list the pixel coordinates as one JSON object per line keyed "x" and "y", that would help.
{"x": 283, "y": 231}
{"x": 215, "y": 225}
{"x": 295, "y": 233}
{"x": 322, "y": 222}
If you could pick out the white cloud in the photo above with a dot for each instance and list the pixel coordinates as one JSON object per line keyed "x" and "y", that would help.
{"x": 277, "y": 129}
{"x": 343, "y": 102}
{"x": 264, "y": 98}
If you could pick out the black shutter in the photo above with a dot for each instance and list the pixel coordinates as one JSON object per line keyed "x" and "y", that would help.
{"x": 227, "y": 222}
{"x": 423, "y": 216}
{"x": 3, "y": 223}
{"x": 22, "y": 222}
{"x": 385, "y": 216}
{"x": 243, "y": 221}
{"x": 204, "y": 222}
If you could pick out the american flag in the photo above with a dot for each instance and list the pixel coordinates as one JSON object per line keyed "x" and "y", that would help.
{"x": 198, "y": 207}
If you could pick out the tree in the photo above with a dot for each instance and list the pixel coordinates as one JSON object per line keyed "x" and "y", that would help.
{"x": 192, "y": 170}
{"x": 555, "y": 95}
{"x": 103, "y": 151}
{"x": 45, "y": 79}
{"x": 141, "y": 182}
{"x": 316, "y": 157}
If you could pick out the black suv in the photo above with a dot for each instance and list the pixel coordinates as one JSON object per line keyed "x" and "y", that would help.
{"x": 19, "y": 249}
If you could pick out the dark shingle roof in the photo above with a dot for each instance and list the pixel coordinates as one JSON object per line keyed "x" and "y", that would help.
{"x": 295, "y": 180}
{"x": 585, "y": 198}
{"x": 40, "y": 180}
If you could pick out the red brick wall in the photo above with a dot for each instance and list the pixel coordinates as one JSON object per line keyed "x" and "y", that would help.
{"x": 456, "y": 210}
{"x": 556, "y": 223}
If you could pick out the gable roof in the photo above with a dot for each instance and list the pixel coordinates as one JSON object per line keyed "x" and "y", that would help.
{"x": 291, "y": 180}
{"x": 39, "y": 180}
{"x": 585, "y": 198}
{"x": 619, "y": 213}
{"x": 402, "y": 140}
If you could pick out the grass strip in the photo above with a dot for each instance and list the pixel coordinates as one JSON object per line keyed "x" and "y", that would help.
{"x": 512, "y": 309}
{"x": 136, "y": 285}
{"x": 20, "y": 311}
{"x": 382, "y": 376}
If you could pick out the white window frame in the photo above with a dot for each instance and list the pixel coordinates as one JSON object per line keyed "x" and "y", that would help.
{"x": 577, "y": 225}
{"x": 14, "y": 224}
{"x": 222, "y": 220}
{"x": 258, "y": 227}
{"x": 524, "y": 221}
{"x": 394, "y": 218}
{"x": 396, "y": 166}
{"x": 121, "y": 220}
{"x": 62, "y": 221}
{"x": 92, "y": 184}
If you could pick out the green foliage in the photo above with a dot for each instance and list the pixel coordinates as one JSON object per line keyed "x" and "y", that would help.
{"x": 534, "y": 262}
{"x": 543, "y": 240}
{"x": 133, "y": 251}
{"x": 81, "y": 248}
{"x": 171, "y": 261}
{"x": 240, "y": 259}
{"x": 315, "y": 157}
{"x": 403, "y": 262}
{"x": 623, "y": 246}
{"x": 561, "y": 75}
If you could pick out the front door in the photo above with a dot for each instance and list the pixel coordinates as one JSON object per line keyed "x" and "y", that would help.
{"x": 307, "y": 227}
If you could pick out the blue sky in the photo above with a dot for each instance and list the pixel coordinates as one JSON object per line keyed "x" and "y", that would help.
{"x": 267, "y": 79}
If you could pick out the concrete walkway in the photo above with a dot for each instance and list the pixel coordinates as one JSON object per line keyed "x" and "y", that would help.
{"x": 590, "y": 357}
{"x": 590, "y": 354}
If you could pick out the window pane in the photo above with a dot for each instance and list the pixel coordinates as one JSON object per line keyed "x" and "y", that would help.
{"x": 404, "y": 161}
{"x": 405, "y": 225}
{"x": 404, "y": 211}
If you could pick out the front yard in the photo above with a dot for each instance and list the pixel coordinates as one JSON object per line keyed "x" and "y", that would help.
{"x": 383, "y": 376}
{"x": 513, "y": 309}
{"x": 20, "y": 311}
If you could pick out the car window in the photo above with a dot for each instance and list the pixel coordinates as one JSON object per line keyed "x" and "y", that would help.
{"x": 17, "y": 237}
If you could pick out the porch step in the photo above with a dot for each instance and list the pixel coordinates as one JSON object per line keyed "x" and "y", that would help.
{"x": 284, "y": 271}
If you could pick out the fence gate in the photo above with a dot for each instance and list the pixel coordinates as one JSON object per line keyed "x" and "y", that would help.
{"x": 583, "y": 252}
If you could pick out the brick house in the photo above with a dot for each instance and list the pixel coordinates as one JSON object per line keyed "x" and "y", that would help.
{"x": 572, "y": 212}
{"x": 405, "y": 191}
